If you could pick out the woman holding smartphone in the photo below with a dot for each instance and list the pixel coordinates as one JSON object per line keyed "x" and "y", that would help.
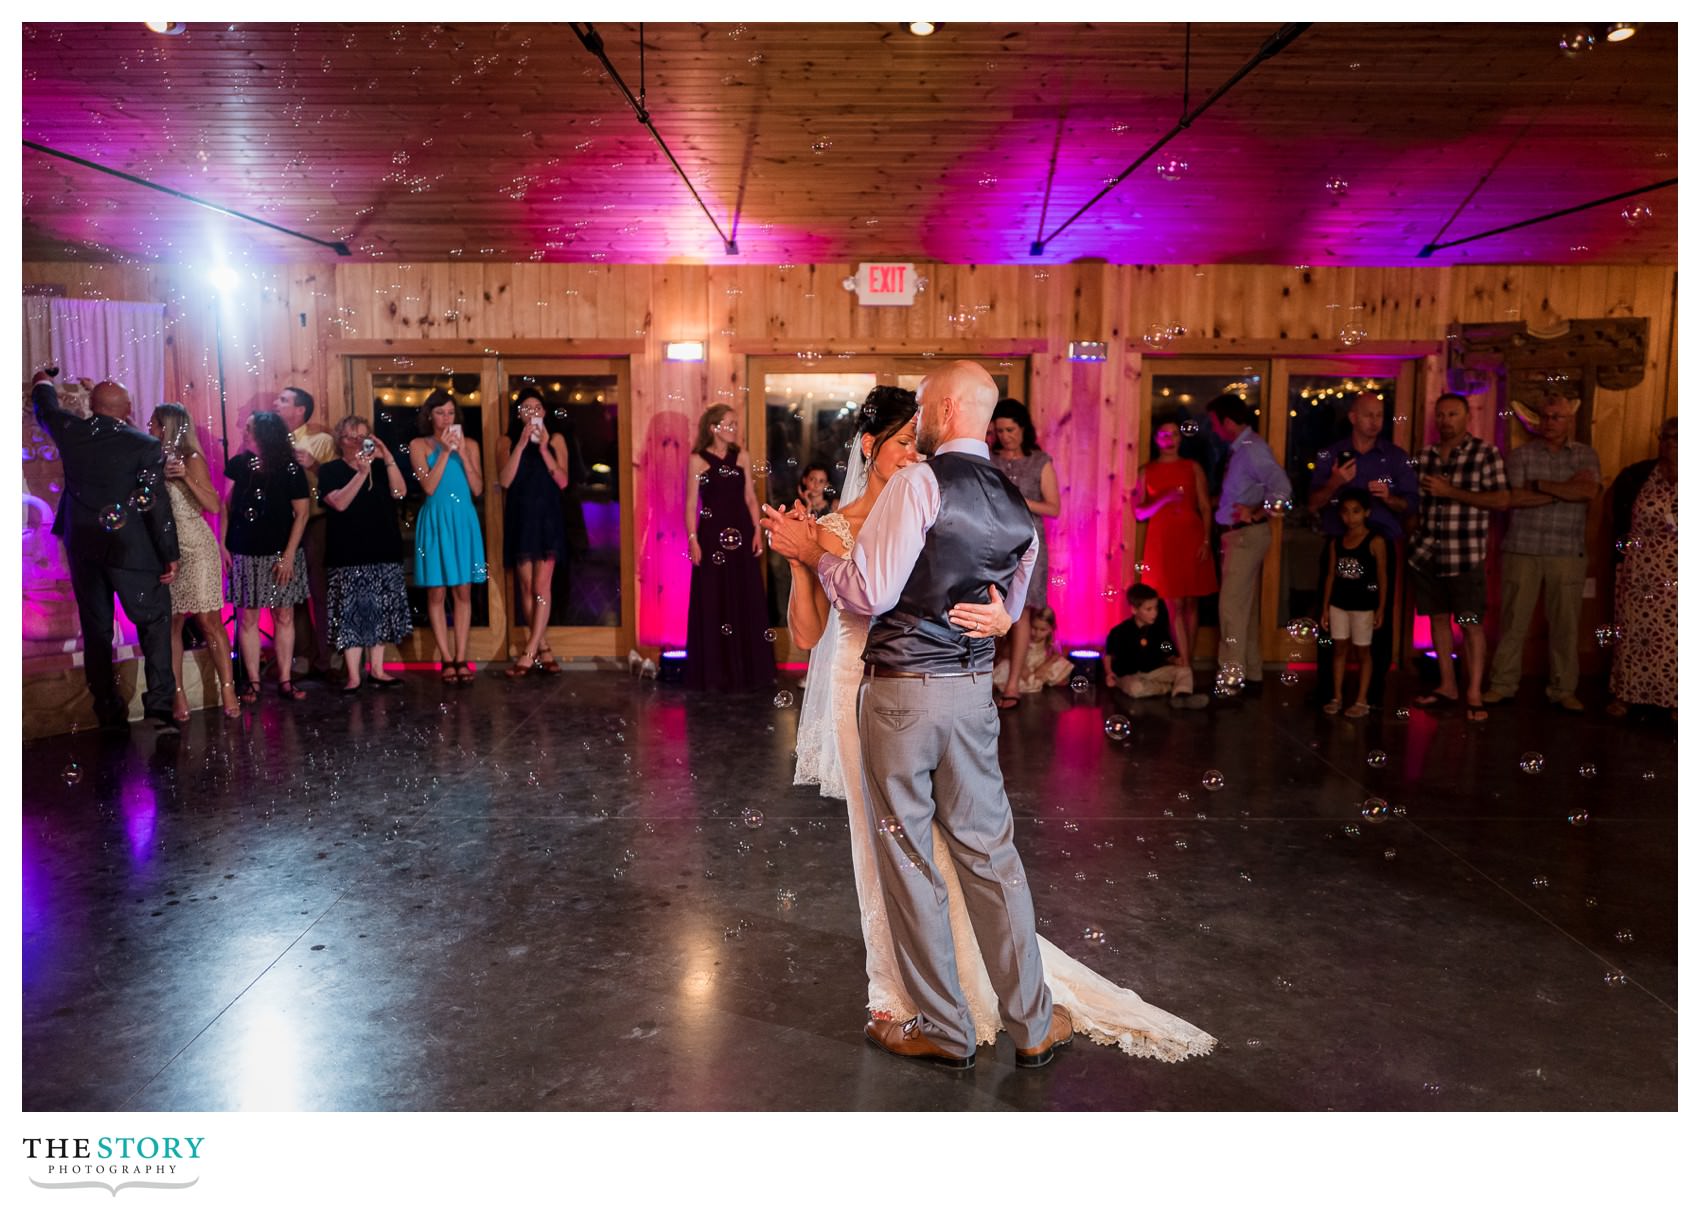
{"x": 448, "y": 542}
{"x": 534, "y": 535}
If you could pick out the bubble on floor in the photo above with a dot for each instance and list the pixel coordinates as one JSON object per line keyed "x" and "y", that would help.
{"x": 1532, "y": 763}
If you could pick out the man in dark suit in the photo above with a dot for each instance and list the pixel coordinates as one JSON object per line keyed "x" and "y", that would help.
{"x": 115, "y": 521}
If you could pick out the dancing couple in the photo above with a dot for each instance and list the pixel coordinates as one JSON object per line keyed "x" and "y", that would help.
{"x": 925, "y": 564}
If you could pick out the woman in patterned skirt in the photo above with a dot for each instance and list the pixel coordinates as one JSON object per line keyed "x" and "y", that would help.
{"x": 367, "y": 594}
{"x": 1643, "y": 501}
{"x": 265, "y": 515}
{"x": 196, "y": 590}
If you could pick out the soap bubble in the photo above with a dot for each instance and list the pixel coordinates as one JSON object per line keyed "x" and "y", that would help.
{"x": 1626, "y": 936}
{"x": 1080, "y": 875}
{"x": 1390, "y": 853}
{"x": 1277, "y": 505}
{"x": 784, "y": 699}
{"x": 752, "y": 819}
{"x": 1348, "y": 568}
{"x": 1172, "y": 169}
{"x": 1637, "y": 214}
{"x": 1577, "y": 41}
{"x": 725, "y": 629}
{"x": 787, "y": 898}
{"x": 1607, "y": 636}
{"x": 1350, "y": 831}
{"x": 770, "y": 635}
{"x": 1532, "y": 763}
{"x": 72, "y": 774}
{"x": 1118, "y": 728}
{"x": 1374, "y": 810}
{"x": 821, "y": 147}
{"x": 1337, "y": 186}
{"x": 1289, "y": 678}
{"x": 1302, "y": 629}
{"x": 1230, "y": 679}
{"x": 1401, "y": 713}
{"x": 141, "y": 498}
{"x": 1628, "y": 544}
{"x": 717, "y": 558}
{"x": 1579, "y": 818}
{"x": 1080, "y": 684}
{"x": 1212, "y": 781}
{"x": 1540, "y": 882}
{"x": 1180, "y": 844}
{"x": 1092, "y": 935}
{"x": 1587, "y": 770}
{"x": 113, "y": 517}
{"x": 761, "y": 467}
{"x": 1615, "y": 978}
{"x": 1469, "y": 619}
{"x": 1376, "y": 758}
{"x": 1648, "y": 776}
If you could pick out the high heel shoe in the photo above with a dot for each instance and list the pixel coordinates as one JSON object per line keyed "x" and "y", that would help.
{"x": 180, "y": 707}
{"x": 227, "y": 697}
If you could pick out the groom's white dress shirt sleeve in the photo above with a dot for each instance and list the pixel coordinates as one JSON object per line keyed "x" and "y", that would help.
{"x": 871, "y": 580}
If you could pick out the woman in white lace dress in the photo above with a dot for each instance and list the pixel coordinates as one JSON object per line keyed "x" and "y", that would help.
{"x": 829, "y": 754}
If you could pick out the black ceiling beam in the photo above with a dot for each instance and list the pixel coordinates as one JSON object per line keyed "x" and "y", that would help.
{"x": 593, "y": 43}
{"x": 1278, "y": 42}
{"x": 1429, "y": 250}
{"x": 336, "y": 246}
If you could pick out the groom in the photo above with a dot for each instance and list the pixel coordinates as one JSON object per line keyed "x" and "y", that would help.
{"x": 941, "y": 532}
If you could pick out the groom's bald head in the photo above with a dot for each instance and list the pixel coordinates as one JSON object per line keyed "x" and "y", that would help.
{"x": 956, "y": 402}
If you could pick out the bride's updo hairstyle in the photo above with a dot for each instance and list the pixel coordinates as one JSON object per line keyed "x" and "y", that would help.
{"x": 884, "y": 412}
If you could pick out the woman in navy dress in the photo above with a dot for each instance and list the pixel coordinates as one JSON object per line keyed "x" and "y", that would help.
{"x": 728, "y": 643}
{"x": 534, "y": 535}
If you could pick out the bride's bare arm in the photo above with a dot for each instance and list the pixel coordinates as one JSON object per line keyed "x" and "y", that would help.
{"x": 806, "y": 612}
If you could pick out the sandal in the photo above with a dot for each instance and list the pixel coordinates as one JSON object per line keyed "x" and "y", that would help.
{"x": 1007, "y": 702}
{"x": 521, "y": 668}
{"x": 1475, "y": 713}
{"x": 382, "y": 682}
{"x": 466, "y": 674}
{"x": 446, "y": 669}
{"x": 250, "y": 693}
{"x": 1434, "y": 699}
{"x": 1617, "y": 709}
{"x": 1358, "y": 710}
{"x": 548, "y": 663}
{"x": 288, "y": 690}
{"x": 180, "y": 706}
{"x": 227, "y": 697}
{"x": 1332, "y": 707}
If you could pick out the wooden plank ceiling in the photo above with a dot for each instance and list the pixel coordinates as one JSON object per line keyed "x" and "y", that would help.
{"x": 843, "y": 142}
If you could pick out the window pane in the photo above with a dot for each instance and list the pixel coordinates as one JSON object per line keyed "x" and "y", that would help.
{"x": 395, "y": 419}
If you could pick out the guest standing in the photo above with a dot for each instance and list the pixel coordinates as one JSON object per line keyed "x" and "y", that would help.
{"x": 312, "y": 447}
{"x": 534, "y": 536}
{"x": 1365, "y": 460}
{"x": 1251, "y": 485}
{"x": 1643, "y": 510}
{"x": 1544, "y": 553}
{"x": 1017, "y": 455}
{"x": 726, "y": 643}
{"x": 1461, "y": 480}
{"x": 1356, "y": 590}
{"x": 118, "y": 540}
{"x": 265, "y": 517}
{"x": 367, "y": 588}
{"x": 198, "y": 589}
{"x": 448, "y": 542}
{"x": 1173, "y": 501}
{"x": 814, "y": 489}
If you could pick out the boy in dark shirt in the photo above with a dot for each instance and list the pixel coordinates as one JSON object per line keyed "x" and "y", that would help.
{"x": 1140, "y": 659}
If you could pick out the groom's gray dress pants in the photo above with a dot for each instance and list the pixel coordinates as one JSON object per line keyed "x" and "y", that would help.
{"x": 930, "y": 751}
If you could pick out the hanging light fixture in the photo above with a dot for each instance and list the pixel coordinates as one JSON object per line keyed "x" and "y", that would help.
{"x": 1620, "y": 31}
{"x": 922, "y": 28}
{"x": 172, "y": 28}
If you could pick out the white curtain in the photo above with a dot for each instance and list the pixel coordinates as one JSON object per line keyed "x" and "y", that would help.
{"x": 124, "y": 342}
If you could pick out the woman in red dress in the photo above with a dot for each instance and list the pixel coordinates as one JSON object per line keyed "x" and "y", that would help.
{"x": 1173, "y": 501}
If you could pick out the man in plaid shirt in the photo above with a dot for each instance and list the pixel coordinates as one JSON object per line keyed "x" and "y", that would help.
{"x": 1461, "y": 480}
{"x": 1544, "y": 553}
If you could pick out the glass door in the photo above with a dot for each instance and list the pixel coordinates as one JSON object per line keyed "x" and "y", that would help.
{"x": 586, "y": 401}
{"x": 809, "y": 420}
{"x": 389, "y": 393}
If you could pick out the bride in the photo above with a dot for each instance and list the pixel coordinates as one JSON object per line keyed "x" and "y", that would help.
{"x": 829, "y": 754}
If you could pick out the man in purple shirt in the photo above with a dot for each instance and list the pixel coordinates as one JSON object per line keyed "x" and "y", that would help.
{"x": 1364, "y": 459}
{"x": 942, "y": 532}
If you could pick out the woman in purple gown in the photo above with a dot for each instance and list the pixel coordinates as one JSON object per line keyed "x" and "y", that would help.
{"x": 728, "y": 643}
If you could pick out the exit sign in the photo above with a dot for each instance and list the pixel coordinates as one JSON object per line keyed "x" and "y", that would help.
{"x": 885, "y": 284}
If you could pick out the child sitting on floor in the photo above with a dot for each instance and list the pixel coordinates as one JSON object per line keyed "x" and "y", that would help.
{"x": 1044, "y": 666}
{"x": 1140, "y": 656}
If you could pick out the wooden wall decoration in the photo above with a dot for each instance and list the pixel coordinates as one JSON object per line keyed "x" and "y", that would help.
{"x": 1524, "y": 368}
{"x": 295, "y": 323}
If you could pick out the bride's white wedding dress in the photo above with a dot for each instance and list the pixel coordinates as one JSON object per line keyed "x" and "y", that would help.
{"x": 1102, "y": 1010}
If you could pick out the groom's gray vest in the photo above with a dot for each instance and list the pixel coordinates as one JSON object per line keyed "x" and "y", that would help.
{"x": 982, "y": 530}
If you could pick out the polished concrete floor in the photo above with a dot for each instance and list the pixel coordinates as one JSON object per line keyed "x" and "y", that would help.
{"x": 544, "y": 895}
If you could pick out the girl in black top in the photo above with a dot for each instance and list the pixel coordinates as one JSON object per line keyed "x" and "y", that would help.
{"x": 266, "y": 514}
{"x": 534, "y": 534}
{"x": 366, "y": 597}
{"x": 1356, "y": 593}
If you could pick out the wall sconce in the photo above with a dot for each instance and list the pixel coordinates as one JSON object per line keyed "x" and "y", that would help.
{"x": 684, "y": 351}
{"x": 1087, "y": 351}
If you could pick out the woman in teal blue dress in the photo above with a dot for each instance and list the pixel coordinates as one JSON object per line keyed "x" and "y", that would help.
{"x": 448, "y": 542}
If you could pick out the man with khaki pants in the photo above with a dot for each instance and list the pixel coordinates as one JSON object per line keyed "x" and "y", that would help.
{"x": 1544, "y": 554}
{"x": 1253, "y": 489}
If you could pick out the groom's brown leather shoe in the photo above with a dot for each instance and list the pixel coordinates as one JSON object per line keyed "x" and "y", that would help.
{"x": 1062, "y": 1031}
{"x": 905, "y": 1040}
